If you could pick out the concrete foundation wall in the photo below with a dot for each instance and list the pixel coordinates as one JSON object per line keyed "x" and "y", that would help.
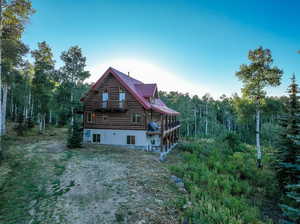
{"x": 119, "y": 138}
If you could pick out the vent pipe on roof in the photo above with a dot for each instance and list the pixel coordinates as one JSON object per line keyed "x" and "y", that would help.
{"x": 129, "y": 74}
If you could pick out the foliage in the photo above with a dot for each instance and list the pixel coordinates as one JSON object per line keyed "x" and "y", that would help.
{"x": 288, "y": 166}
{"x": 75, "y": 136}
{"x": 43, "y": 81}
{"x": 233, "y": 141}
{"x": 256, "y": 76}
{"x": 259, "y": 74}
{"x": 16, "y": 14}
{"x": 20, "y": 127}
{"x": 225, "y": 115}
{"x": 223, "y": 187}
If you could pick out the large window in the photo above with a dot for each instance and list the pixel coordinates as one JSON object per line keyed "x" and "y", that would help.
{"x": 130, "y": 139}
{"x": 121, "y": 94}
{"x": 96, "y": 138}
{"x": 91, "y": 117}
{"x": 104, "y": 98}
{"x": 136, "y": 118}
{"x": 105, "y": 95}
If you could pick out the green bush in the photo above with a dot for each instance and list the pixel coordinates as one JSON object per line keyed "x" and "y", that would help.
{"x": 75, "y": 136}
{"x": 223, "y": 187}
{"x": 233, "y": 142}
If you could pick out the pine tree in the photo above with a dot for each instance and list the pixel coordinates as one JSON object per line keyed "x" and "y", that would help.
{"x": 75, "y": 135}
{"x": 288, "y": 168}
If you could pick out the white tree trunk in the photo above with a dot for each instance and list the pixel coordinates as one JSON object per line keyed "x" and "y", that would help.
{"x": 11, "y": 104}
{"x": 31, "y": 107}
{"x": 44, "y": 122}
{"x": 3, "y": 109}
{"x": 258, "y": 149}
{"x": 195, "y": 115}
{"x": 50, "y": 117}
{"x": 5, "y": 87}
{"x": 72, "y": 111}
{"x": 229, "y": 124}
{"x": 40, "y": 123}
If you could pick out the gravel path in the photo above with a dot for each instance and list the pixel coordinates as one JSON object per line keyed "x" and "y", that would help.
{"x": 101, "y": 185}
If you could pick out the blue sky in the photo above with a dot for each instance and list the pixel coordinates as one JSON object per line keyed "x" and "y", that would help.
{"x": 187, "y": 46}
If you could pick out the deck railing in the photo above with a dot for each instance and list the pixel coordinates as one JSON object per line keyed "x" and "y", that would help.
{"x": 111, "y": 105}
{"x": 171, "y": 125}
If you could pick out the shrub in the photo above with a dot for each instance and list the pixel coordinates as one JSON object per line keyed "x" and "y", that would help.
{"x": 75, "y": 136}
{"x": 21, "y": 127}
{"x": 232, "y": 141}
{"x": 29, "y": 123}
{"x": 222, "y": 187}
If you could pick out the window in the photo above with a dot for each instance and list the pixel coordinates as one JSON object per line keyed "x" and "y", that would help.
{"x": 96, "y": 138}
{"x": 130, "y": 140}
{"x": 104, "y": 98}
{"x": 121, "y": 94}
{"x": 105, "y": 95}
{"x": 136, "y": 118}
{"x": 91, "y": 117}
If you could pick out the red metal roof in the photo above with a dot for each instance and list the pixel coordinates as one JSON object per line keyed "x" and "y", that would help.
{"x": 146, "y": 90}
{"x": 139, "y": 90}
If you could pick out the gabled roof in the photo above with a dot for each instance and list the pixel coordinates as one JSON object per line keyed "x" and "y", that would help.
{"x": 146, "y": 90}
{"x": 138, "y": 89}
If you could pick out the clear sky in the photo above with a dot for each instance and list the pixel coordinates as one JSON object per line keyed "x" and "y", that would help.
{"x": 188, "y": 46}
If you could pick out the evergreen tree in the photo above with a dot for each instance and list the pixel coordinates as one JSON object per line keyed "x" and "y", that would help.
{"x": 75, "y": 135}
{"x": 288, "y": 167}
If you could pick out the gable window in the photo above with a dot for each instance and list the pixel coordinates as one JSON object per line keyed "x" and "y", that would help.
{"x": 121, "y": 98}
{"x": 136, "y": 118}
{"x": 130, "y": 140}
{"x": 104, "y": 98}
{"x": 96, "y": 138}
{"x": 91, "y": 117}
{"x": 121, "y": 94}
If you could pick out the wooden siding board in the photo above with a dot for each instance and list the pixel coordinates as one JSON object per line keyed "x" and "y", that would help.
{"x": 115, "y": 120}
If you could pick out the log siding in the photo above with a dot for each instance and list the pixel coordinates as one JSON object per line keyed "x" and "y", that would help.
{"x": 114, "y": 120}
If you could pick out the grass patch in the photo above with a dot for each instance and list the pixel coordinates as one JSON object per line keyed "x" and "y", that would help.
{"x": 32, "y": 183}
{"x": 224, "y": 185}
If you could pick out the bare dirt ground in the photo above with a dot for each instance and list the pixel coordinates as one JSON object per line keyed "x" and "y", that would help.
{"x": 91, "y": 185}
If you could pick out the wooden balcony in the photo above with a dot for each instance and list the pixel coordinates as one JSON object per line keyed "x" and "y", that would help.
{"x": 167, "y": 129}
{"x": 171, "y": 127}
{"x": 111, "y": 106}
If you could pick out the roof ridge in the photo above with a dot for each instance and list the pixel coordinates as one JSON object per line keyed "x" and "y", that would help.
{"x": 126, "y": 75}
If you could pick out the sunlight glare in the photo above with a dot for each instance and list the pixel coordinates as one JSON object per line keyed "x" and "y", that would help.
{"x": 149, "y": 73}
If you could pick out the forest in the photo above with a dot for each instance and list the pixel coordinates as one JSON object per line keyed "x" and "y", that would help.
{"x": 240, "y": 154}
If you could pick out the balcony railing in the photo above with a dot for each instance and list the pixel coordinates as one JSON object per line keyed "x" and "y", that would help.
{"x": 112, "y": 105}
{"x": 172, "y": 125}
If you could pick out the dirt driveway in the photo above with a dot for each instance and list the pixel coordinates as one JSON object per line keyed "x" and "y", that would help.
{"x": 92, "y": 185}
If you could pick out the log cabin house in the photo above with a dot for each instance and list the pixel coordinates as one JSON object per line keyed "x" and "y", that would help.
{"x": 120, "y": 110}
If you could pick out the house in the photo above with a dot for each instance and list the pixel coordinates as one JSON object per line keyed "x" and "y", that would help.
{"x": 120, "y": 110}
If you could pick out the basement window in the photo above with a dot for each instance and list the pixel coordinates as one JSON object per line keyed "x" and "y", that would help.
{"x": 96, "y": 138}
{"x": 130, "y": 140}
